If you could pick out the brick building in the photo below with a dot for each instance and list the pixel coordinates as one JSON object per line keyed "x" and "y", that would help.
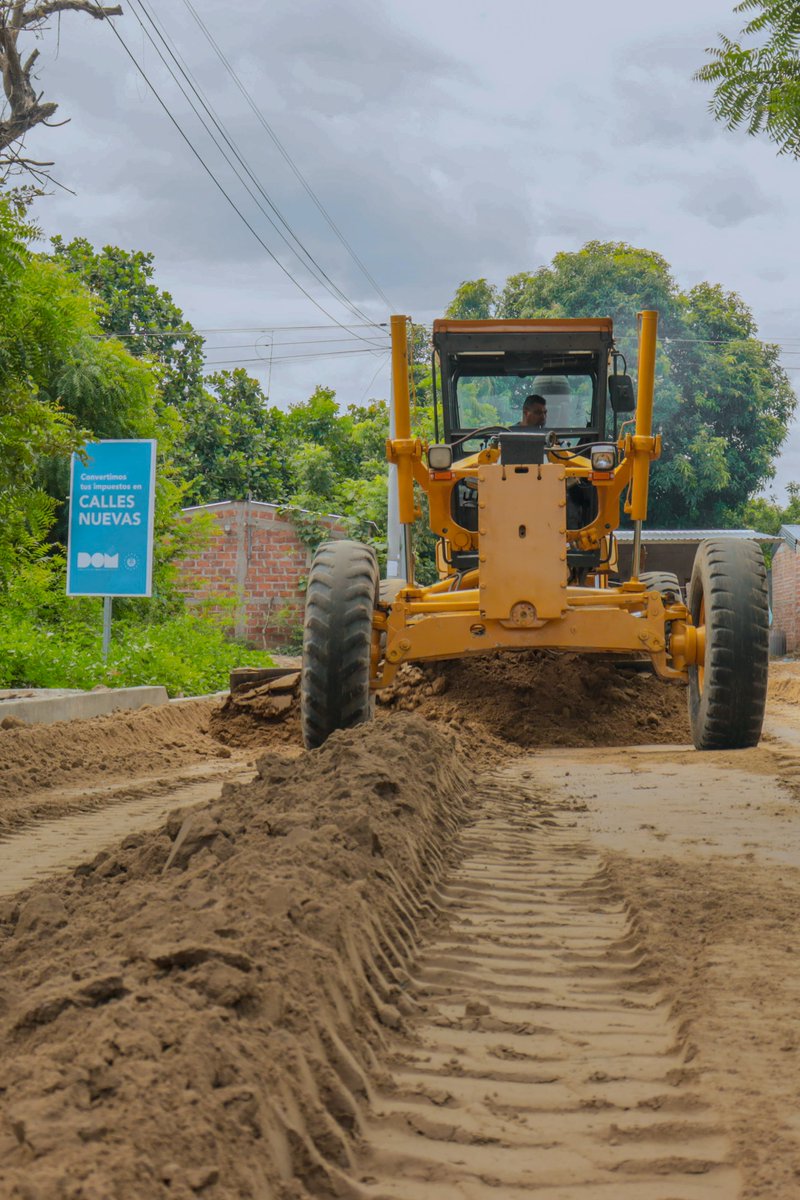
{"x": 258, "y": 561}
{"x": 786, "y": 587}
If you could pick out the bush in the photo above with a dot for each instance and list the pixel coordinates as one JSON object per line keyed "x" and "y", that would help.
{"x": 50, "y": 640}
{"x": 188, "y": 654}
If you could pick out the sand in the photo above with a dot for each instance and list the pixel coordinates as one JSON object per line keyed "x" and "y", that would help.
{"x": 478, "y": 949}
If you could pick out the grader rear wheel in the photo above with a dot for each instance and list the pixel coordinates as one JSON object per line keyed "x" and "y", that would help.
{"x": 337, "y": 635}
{"x": 664, "y": 582}
{"x": 728, "y": 690}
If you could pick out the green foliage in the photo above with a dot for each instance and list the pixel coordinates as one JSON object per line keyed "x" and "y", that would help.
{"x": 139, "y": 314}
{"x": 475, "y": 300}
{"x": 233, "y": 445}
{"x": 50, "y": 640}
{"x": 189, "y": 655}
{"x": 767, "y": 515}
{"x": 723, "y": 402}
{"x": 758, "y": 86}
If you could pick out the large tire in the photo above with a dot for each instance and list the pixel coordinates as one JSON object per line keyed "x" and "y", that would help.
{"x": 337, "y": 635}
{"x": 728, "y": 693}
{"x": 664, "y": 582}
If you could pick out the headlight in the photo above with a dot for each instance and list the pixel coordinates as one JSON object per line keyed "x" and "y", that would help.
{"x": 604, "y": 457}
{"x": 440, "y": 458}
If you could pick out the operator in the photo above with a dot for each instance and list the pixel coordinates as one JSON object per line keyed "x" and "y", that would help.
{"x": 534, "y": 413}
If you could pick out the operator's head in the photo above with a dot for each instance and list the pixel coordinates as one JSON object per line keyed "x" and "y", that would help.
{"x": 534, "y": 412}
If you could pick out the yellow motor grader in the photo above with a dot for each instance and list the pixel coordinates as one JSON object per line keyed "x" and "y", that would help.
{"x": 541, "y": 444}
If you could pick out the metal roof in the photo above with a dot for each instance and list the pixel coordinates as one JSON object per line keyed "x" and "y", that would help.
{"x": 791, "y": 535}
{"x": 700, "y": 535}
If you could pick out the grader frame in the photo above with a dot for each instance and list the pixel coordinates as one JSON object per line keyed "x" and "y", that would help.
{"x": 532, "y": 566}
{"x": 519, "y": 596}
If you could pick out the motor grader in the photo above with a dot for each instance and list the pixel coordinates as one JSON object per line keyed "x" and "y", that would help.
{"x": 525, "y": 514}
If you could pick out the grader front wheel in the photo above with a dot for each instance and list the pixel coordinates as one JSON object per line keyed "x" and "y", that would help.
{"x": 337, "y": 635}
{"x": 728, "y": 690}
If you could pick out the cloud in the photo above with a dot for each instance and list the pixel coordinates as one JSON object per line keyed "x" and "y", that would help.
{"x": 447, "y": 141}
{"x": 726, "y": 197}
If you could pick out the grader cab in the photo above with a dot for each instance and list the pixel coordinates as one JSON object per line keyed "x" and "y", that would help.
{"x": 541, "y": 445}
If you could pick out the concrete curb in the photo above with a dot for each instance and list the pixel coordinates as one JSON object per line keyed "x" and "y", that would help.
{"x": 46, "y": 710}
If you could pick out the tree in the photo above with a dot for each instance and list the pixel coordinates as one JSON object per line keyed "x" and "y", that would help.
{"x": 722, "y": 399}
{"x": 233, "y": 446}
{"x": 61, "y": 381}
{"x": 475, "y": 300}
{"x": 139, "y": 313}
{"x": 24, "y": 108}
{"x": 758, "y": 86}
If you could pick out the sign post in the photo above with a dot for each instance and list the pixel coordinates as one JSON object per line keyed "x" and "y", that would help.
{"x": 111, "y": 514}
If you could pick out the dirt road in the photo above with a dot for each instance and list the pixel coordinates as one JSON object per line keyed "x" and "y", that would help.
{"x": 436, "y": 959}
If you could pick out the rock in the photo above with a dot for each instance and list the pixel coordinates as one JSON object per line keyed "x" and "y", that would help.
{"x": 222, "y": 984}
{"x": 201, "y": 1177}
{"x": 277, "y": 900}
{"x": 439, "y": 685}
{"x": 11, "y": 723}
{"x": 475, "y": 1008}
{"x": 298, "y": 836}
{"x": 389, "y": 1016}
{"x": 197, "y": 832}
{"x": 46, "y": 911}
{"x": 191, "y": 954}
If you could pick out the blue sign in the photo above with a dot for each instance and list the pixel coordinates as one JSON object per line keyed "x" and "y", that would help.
{"x": 112, "y": 505}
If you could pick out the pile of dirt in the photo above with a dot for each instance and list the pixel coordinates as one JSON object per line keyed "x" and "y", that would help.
{"x": 541, "y": 698}
{"x": 198, "y": 1011}
{"x": 132, "y": 744}
{"x": 254, "y": 715}
{"x": 784, "y": 682}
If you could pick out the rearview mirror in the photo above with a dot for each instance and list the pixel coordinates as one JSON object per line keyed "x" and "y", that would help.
{"x": 620, "y": 389}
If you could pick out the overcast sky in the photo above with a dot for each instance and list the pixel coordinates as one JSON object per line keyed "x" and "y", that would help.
{"x": 447, "y": 141}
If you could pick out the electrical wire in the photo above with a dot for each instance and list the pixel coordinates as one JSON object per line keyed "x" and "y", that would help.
{"x": 378, "y": 370}
{"x": 285, "y": 154}
{"x": 314, "y": 268}
{"x": 294, "y": 357}
{"x": 200, "y": 329}
{"x": 299, "y": 249}
{"x": 216, "y": 182}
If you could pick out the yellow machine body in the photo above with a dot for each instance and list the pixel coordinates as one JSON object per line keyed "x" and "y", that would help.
{"x": 519, "y": 596}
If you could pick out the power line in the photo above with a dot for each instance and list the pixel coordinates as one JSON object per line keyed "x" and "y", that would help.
{"x": 302, "y": 342}
{"x": 285, "y": 154}
{"x": 301, "y": 252}
{"x": 185, "y": 333}
{"x": 217, "y": 183}
{"x": 294, "y": 357}
{"x": 311, "y": 263}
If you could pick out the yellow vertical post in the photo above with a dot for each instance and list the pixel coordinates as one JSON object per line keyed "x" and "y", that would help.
{"x": 402, "y": 418}
{"x": 648, "y": 331}
{"x": 643, "y": 437}
{"x": 401, "y": 438}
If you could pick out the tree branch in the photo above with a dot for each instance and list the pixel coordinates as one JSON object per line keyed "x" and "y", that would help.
{"x": 40, "y": 12}
{"x": 25, "y": 107}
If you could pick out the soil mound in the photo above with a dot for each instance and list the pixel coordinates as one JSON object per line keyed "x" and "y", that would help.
{"x": 35, "y": 757}
{"x": 198, "y": 1012}
{"x": 784, "y": 682}
{"x": 252, "y": 716}
{"x": 540, "y": 698}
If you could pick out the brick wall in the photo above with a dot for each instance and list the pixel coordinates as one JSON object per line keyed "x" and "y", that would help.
{"x": 785, "y": 595}
{"x": 257, "y": 560}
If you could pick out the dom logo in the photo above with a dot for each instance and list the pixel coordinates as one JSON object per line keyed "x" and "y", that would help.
{"x": 100, "y": 561}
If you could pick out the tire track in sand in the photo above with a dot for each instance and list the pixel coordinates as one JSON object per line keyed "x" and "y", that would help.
{"x": 545, "y": 1059}
{"x": 49, "y": 847}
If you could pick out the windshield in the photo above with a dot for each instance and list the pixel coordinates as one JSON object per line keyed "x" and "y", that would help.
{"x": 486, "y": 400}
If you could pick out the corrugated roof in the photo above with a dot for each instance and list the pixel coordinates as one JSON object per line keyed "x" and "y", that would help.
{"x": 699, "y": 535}
{"x": 791, "y": 534}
